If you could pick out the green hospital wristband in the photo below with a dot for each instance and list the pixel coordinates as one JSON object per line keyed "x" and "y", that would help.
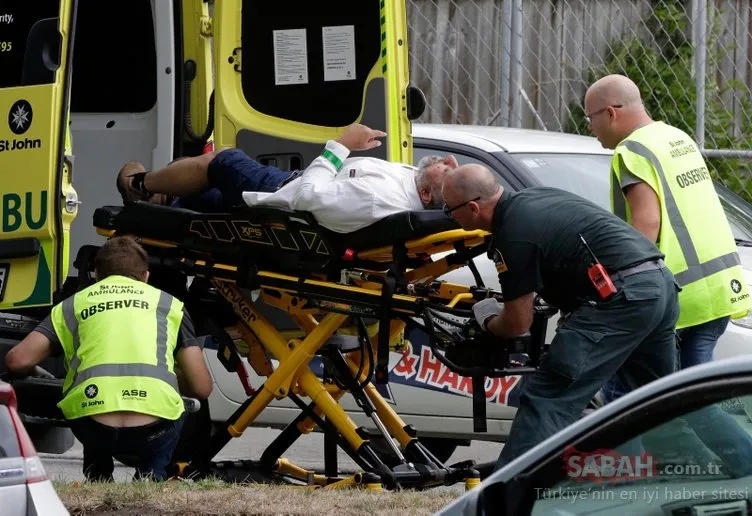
{"x": 333, "y": 159}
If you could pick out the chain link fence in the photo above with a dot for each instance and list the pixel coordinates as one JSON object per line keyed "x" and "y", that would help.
{"x": 527, "y": 63}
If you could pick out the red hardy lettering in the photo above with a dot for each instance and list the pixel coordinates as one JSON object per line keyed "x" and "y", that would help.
{"x": 406, "y": 366}
{"x": 429, "y": 363}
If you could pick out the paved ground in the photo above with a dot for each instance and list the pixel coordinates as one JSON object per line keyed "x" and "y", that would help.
{"x": 307, "y": 452}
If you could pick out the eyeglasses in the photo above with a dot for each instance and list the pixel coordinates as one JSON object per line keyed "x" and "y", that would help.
{"x": 449, "y": 210}
{"x": 589, "y": 117}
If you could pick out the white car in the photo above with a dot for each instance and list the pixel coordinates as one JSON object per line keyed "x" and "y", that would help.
{"x": 24, "y": 486}
{"x": 422, "y": 390}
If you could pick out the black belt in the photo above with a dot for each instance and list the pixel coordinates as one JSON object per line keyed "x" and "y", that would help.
{"x": 649, "y": 265}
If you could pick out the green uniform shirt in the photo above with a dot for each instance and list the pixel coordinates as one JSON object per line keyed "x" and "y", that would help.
{"x": 536, "y": 246}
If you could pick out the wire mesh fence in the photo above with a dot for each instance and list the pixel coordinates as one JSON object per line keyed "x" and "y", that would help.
{"x": 527, "y": 63}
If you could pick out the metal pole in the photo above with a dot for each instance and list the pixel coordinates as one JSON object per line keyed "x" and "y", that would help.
{"x": 506, "y": 55}
{"x": 700, "y": 44}
{"x": 517, "y": 64}
{"x": 532, "y": 109}
{"x": 727, "y": 153}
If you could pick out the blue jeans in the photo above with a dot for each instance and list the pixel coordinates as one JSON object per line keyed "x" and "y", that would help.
{"x": 231, "y": 173}
{"x": 631, "y": 335}
{"x": 696, "y": 345}
{"x": 147, "y": 448}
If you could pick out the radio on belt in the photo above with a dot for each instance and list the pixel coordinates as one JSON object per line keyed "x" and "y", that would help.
{"x": 600, "y": 279}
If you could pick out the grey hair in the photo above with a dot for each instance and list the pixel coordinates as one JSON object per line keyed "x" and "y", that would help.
{"x": 424, "y": 164}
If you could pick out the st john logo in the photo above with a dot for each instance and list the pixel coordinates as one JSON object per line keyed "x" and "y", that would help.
{"x": 20, "y": 116}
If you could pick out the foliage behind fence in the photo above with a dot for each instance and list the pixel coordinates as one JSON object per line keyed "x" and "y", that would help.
{"x": 464, "y": 55}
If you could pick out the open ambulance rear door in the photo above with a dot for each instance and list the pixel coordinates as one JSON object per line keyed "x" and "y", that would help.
{"x": 291, "y": 75}
{"x": 37, "y": 200}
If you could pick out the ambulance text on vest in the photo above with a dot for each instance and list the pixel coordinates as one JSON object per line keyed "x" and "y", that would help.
{"x": 113, "y": 305}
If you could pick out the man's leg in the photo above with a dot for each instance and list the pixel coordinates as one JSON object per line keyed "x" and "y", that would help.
{"x": 230, "y": 171}
{"x": 152, "y": 447}
{"x": 97, "y": 440}
{"x": 696, "y": 343}
{"x": 588, "y": 349}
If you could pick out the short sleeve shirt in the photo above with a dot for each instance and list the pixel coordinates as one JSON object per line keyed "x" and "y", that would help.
{"x": 536, "y": 245}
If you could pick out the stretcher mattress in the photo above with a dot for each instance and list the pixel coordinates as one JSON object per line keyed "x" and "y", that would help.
{"x": 280, "y": 238}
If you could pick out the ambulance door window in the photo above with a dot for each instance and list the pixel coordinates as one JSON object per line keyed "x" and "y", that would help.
{"x": 114, "y": 58}
{"x": 23, "y": 25}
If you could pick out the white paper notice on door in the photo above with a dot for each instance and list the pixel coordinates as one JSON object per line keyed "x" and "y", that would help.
{"x": 290, "y": 57}
{"x": 339, "y": 53}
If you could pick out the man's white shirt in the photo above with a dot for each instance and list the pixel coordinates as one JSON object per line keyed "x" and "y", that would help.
{"x": 363, "y": 191}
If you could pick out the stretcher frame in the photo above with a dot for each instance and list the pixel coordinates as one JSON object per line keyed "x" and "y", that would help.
{"x": 397, "y": 289}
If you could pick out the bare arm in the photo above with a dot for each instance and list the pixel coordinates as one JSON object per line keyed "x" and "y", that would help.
{"x": 516, "y": 319}
{"x": 195, "y": 375}
{"x": 28, "y": 353}
{"x": 646, "y": 210}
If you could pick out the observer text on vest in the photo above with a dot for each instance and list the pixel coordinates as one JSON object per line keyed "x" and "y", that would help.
{"x": 113, "y": 305}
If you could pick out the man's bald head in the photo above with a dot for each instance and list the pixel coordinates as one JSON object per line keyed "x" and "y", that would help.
{"x": 473, "y": 191}
{"x": 615, "y": 90}
{"x": 469, "y": 182}
{"x": 615, "y": 109}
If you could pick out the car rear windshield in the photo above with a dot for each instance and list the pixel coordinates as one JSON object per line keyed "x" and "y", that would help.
{"x": 587, "y": 175}
{"x": 8, "y": 440}
{"x": 583, "y": 174}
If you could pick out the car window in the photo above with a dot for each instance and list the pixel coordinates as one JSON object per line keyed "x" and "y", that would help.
{"x": 705, "y": 454}
{"x": 420, "y": 152}
{"x": 587, "y": 175}
{"x": 738, "y": 213}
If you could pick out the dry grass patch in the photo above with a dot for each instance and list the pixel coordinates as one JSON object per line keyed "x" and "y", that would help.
{"x": 214, "y": 497}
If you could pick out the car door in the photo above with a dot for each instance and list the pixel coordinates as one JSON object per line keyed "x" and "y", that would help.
{"x": 682, "y": 450}
{"x": 37, "y": 199}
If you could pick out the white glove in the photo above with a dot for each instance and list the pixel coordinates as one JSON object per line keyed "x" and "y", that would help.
{"x": 485, "y": 309}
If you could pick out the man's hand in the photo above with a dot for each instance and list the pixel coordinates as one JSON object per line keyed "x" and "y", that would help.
{"x": 486, "y": 309}
{"x": 358, "y": 137}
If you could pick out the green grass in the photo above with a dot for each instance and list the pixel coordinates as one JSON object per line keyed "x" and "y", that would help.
{"x": 217, "y": 497}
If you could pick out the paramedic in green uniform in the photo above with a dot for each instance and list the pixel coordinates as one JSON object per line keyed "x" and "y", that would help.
{"x": 121, "y": 339}
{"x": 537, "y": 249}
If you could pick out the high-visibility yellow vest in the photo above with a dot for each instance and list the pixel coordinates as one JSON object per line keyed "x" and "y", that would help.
{"x": 119, "y": 336}
{"x": 695, "y": 234}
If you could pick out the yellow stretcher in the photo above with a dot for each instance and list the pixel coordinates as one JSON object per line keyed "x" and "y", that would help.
{"x": 329, "y": 284}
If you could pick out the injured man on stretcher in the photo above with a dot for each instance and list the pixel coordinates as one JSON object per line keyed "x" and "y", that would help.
{"x": 344, "y": 194}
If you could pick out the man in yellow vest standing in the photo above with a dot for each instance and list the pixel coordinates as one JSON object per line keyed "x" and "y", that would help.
{"x": 661, "y": 185}
{"x": 121, "y": 339}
